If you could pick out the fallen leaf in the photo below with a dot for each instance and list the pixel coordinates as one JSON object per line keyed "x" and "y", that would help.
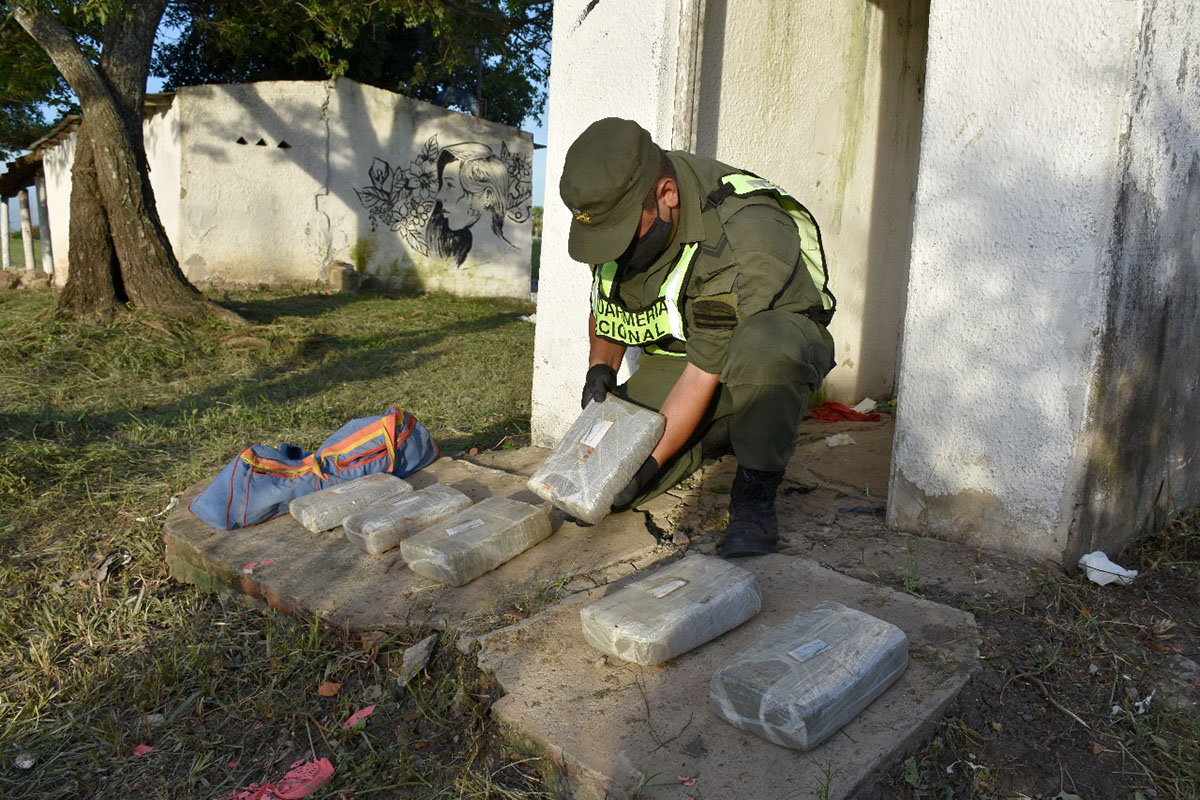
{"x": 250, "y": 567}
{"x": 142, "y": 749}
{"x": 328, "y": 689}
{"x": 268, "y": 562}
{"x": 1097, "y": 748}
{"x": 357, "y": 717}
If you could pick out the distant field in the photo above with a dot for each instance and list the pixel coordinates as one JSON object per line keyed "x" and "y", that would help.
{"x": 17, "y": 250}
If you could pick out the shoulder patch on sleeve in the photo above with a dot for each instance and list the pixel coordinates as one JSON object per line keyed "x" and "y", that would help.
{"x": 715, "y": 311}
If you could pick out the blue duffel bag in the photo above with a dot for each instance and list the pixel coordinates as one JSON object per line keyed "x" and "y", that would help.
{"x": 258, "y": 484}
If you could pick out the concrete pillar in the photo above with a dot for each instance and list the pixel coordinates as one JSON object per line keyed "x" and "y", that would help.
{"x": 6, "y": 242}
{"x": 44, "y": 226}
{"x": 1048, "y": 364}
{"x": 602, "y": 66}
{"x": 26, "y": 227}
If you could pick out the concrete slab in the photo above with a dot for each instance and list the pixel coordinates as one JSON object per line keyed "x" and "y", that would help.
{"x": 617, "y": 729}
{"x": 825, "y": 506}
{"x": 324, "y": 574}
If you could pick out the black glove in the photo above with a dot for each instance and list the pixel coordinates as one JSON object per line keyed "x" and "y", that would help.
{"x": 637, "y": 484}
{"x": 601, "y": 379}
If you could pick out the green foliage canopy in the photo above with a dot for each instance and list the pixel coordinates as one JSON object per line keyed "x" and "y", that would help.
{"x": 435, "y": 50}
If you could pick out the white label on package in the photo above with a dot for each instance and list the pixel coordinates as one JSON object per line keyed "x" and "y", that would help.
{"x": 596, "y": 432}
{"x": 402, "y": 499}
{"x": 466, "y": 526}
{"x": 662, "y": 590}
{"x": 341, "y": 488}
{"x": 807, "y": 650}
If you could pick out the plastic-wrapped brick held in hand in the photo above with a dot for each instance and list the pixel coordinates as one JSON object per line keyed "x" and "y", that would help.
{"x": 596, "y": 458}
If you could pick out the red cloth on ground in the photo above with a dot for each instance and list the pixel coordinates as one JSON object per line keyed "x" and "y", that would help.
{"x": 836, "y": 412}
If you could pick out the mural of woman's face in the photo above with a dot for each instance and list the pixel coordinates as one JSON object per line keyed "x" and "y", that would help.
{"x": 461, "y": 208}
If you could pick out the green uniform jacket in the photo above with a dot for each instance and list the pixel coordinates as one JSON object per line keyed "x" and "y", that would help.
{"x": 748, "y": 261}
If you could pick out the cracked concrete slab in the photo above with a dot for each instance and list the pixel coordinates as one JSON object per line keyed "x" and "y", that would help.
{"x": 826, "y": 506}
{"x": 616, "y": 729}
{"x": 299, "y": 572}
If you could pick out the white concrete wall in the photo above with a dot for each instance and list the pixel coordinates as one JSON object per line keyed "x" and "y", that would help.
{"x": 161, "y": 137}
{"x": 56, "y": 163}
{"x": 824, "y": 98}
{"x": 1010, "y": 268}
{"x": 248, "y": 211}
{"x": 377, "y": 138}
{"x": 256, "y": 213}
{"x": 1143, "y": 452}
{"x": 610, "y": 59}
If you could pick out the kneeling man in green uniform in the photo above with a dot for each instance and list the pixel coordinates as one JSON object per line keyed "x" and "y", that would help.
{"x": 719, "y": 276}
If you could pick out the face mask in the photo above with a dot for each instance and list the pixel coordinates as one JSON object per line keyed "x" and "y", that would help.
{"x": 642, "y": 251}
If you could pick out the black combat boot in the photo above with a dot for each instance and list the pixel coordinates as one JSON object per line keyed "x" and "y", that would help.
{"x": 753, "y": 529}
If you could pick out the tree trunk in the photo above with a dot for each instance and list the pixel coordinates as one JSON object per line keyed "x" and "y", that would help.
{"x": 92, "y": 290}
{"x": 112, "y": 98}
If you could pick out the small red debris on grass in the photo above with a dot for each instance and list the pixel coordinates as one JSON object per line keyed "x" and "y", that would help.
{"x": 686, "y": 781}
{"x": 357, "y": 717}
{"x": 142, "y": 749}
{"x": 303, "y": 779}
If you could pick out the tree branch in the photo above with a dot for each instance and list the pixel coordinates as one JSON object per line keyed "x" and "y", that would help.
{"x": 81, "y": 75}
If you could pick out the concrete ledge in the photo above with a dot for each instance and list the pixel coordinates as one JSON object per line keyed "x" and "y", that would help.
{"x": 617, "y": 729}
{"x": 324, "y": 574}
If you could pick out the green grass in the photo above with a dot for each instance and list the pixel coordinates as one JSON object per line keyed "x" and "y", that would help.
{"x": 16, "y": 252}
{"x": 100, "y": 426}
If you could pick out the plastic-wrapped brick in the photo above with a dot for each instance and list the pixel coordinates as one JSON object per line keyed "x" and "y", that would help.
{"x": 478, "y": 539}
{"x": 597, "y": 457}
{"x": 672, "y": 610}
{"x": 326, "y": 509}
{"x": 381, "y": 526}
{"x": 804, "y": 679}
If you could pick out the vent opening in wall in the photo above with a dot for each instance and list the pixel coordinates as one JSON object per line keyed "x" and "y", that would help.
{"x": 260, "y": 143}
{"x": 242, "y": 140}
{"x": 283, "y": 145}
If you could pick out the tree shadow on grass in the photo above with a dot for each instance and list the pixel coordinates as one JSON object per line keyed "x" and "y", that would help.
{"x": 310, "y": 370}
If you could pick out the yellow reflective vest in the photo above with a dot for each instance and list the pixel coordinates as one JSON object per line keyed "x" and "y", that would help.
{"x": 663, "y": 319}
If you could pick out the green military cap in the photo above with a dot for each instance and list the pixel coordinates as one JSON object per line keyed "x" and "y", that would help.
{"x": 608, "y": 172}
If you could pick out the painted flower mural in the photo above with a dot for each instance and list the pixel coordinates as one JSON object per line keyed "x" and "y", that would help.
{"x": 444, "y": 191}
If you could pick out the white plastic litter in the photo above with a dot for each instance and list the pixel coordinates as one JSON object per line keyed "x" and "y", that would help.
{"x": 1102, "y": 571}
{"x": 672, "y": 610}
{"x": 326, "y": 509}
{"x": 596, "y": 458}
{"x": 865, "y": 406}
{"x": 804, "y": 679}
{"x": 462, "y": 547}
{"x": 380, "y": 527}
{"x": 839, "y": 439}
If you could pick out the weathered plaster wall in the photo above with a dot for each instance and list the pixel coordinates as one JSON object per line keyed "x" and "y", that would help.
{"x": 1143, "y": 446}
{"x": 248, "y": 207}
{"x": 1023, "y": 242}
{"x": 160, "y": 133}
{"x": 56, "y": 163}
{"x": 386, "y": 210}
{"x": 614, "y": 58}
{"x": 281, "y": 180}
{"x": 825, "y": 99}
